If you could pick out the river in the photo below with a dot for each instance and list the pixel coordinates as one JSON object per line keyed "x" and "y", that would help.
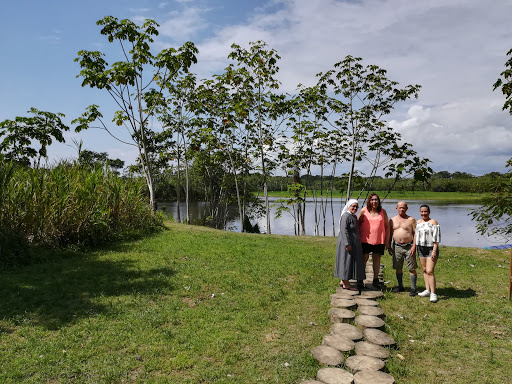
{"x": 457, "y": 228}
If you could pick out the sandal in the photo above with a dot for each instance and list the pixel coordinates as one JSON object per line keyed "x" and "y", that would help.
{"x": 350, "y": 288}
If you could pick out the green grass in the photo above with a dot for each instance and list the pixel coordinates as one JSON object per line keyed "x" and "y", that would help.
{"x": 467, "y": 336}
{"x": 455, "y": 197}
{"x": 196, "y": 305}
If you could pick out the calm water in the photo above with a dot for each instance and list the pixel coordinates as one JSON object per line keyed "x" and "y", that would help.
{"x": 457, "y": 228}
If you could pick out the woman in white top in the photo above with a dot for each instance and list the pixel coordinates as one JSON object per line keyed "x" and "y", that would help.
{"x": 426, "y": 239}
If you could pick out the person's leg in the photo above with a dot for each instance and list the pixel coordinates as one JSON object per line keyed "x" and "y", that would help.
{"x": 376, "y": 267}
{"x": 414, "y": 278}
{"x": 360, "y": 283}
{"x": 430, "y": 265}
{"x": 423, "y": 262}
{"x": 412, "y": 265}
{"x": 400, "y": 278}
{"x": 398, "y": 265}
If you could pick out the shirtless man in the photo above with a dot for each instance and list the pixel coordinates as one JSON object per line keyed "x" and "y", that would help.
{"x": 402, "y": 246}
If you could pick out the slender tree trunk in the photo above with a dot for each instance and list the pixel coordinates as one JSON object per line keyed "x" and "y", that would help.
{"x": 352, "y": 166}
{"x": 263, "y": 168}
{"x": 178, "y": 189}
{"x": 238, "y": 199}
{"x": 333, "y": 173}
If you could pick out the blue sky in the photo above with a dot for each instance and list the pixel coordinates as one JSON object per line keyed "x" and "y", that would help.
{"x": 454, "y": 48}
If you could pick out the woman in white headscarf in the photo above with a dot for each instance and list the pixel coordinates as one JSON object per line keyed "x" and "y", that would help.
{"x": 349, "y": 263}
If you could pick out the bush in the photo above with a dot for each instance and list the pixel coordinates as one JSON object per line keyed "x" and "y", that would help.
{"x": 69, "y": 205}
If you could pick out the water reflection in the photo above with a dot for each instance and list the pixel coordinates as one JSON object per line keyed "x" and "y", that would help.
{"x": 456, "y": 225}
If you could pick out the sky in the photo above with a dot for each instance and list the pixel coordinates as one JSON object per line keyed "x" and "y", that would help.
{"x": 455, "y": 49}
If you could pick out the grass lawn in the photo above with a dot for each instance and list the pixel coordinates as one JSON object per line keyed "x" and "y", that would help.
{"x": 196, "y": 305}
{"x": 449, "y": 197}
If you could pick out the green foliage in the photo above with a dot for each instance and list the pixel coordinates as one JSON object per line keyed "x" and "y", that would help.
{"x": 495, "y": 215}
{"x": 19, "y": 135}
{"x": 92, "y": 158}
{"x": 137, "y": 84}
{"x": 506, "y": 83}
{"x": 68, "y": 206}
{"x": 363, "y": 96}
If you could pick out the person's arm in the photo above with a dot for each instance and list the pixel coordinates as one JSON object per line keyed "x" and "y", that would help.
{"x": 436, "y": 238}
{"x": 344, "y": 229}
{"x": 388, "y": 244}
{"x": 413, "y": 248}
{"x": 360, "y": 217}
{"x": 386, "y": 230}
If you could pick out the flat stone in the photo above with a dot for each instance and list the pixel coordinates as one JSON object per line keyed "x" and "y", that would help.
{"x": 371, "y": 311}
{"x": 378, "y": 337}
{"x": 311, "y": 382}
{"x": 364, "y": 348}
{"x": 327, "y": 355}
{"x": 334, "y": 376}
{"x": 347, "y": 330}
{"x": 372, "y": 294}
{"x": 366, "y": 302}
{"x": 343, "y": 303}
{"x": 341, "y": 343}
{"x": 369, "y": 376}
{"x": 358, "y": 363}
{"x": 367, "y": 321}
{"x": 341, "y": 315}
{"x": 346, "y": 291}
{"x": 342, "y": 296}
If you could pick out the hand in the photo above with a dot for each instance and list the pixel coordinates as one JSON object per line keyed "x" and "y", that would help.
{"x": 349, "y": 248}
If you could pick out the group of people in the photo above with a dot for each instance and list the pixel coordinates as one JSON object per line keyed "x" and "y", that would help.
{"x": 372, "y": 232}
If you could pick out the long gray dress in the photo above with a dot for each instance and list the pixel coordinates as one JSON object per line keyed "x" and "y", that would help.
{"x": 349, "y": 265}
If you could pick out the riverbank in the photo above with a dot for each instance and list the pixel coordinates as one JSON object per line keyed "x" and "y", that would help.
{"x": 192, "y": 304}
{"x": 448, "y": 197}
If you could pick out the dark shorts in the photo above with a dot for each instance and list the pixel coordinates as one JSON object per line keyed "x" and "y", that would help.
{"x": 373, "y": 248}
{"x": 425, "y": 251}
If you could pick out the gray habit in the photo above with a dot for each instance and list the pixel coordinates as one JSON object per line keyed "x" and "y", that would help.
{"x": 349, "y": 265}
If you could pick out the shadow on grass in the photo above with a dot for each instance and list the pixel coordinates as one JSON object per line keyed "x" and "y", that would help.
{"x": 53, "y": 294}
{"x": 453, "y": 293}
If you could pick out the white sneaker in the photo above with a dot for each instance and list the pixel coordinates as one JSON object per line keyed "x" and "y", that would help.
{"x": 433, "y": 298}
{"x": 425, "y": 293}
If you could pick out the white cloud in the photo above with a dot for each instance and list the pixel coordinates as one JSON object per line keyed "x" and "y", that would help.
{"x": 184, "y": 25}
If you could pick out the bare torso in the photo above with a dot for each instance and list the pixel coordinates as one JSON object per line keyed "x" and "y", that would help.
{"x": 403, "y": 229}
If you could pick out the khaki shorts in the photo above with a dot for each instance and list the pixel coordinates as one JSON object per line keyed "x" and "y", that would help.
{"x": 402, "y": 252}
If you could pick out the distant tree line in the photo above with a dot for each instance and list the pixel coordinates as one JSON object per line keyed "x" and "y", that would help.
{"x": 443, "y": 181}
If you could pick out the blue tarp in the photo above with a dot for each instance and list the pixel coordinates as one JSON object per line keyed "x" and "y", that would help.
{"x": 505, "y": 246}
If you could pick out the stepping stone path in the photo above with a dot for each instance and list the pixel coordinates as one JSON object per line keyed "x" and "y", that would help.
{"x": 357, "y": 330}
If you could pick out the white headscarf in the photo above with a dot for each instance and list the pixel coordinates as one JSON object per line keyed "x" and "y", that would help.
{"x": 345, "y": 209}
{"x": 347, "y": 206}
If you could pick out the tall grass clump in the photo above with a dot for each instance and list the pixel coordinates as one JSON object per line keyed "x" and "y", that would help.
{"x": 68, "y": 205}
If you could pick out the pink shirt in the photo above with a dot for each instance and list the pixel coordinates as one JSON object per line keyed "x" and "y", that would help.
{"x": 372, "y": 229}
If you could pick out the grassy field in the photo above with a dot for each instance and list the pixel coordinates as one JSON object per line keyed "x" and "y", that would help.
{"x": 196, "y": 305}
{"x": 449, "y": 197}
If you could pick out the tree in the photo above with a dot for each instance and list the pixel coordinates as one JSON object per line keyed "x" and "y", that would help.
{"x": 138, "y": 84}
{"x": 177, "y": 119}
{"x": 495, "y": 215}
{"x": 256, "y": 68}
{"x": 19, "y": 136}
{"x": 362, "y": 96}
{"x": 91, "y": 158}
{"x": 506, "y": 84}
